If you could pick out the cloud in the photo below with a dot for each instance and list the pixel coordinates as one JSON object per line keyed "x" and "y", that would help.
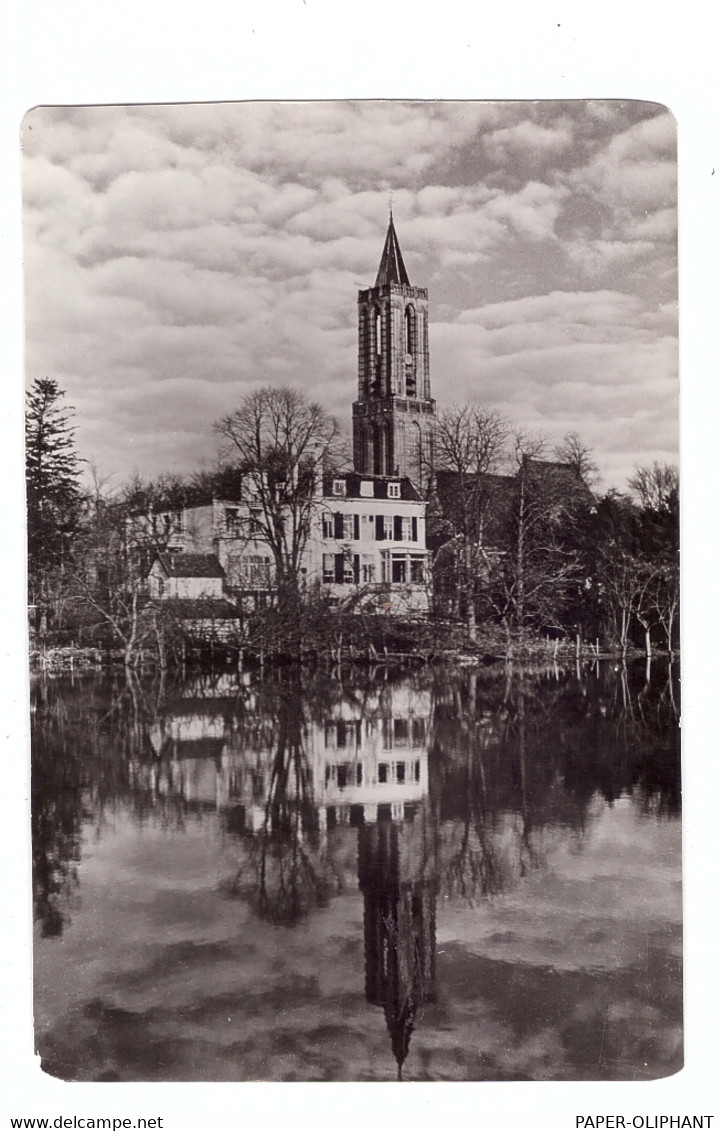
{"x": 598, "y": 363}
{"x": 528, "y": 138}
{"x": 635, "y": 172}
{"x": 224, "y": 245}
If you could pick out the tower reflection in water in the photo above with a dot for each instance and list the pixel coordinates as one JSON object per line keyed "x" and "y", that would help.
{"x": 376, "y": 774}
{"x": 288, "y": 784}
{"x": 399, "y": 918}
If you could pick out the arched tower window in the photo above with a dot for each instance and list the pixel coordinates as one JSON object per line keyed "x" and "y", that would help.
{"x": 368, "y": 361}
{"x": 410, "y": 329}
{"x": 378, "y": 332}
{"x": 410, "y": 352}
{"x": 378, "y": 454}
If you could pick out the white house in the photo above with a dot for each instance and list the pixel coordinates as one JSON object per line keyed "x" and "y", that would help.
{"x": 366, "y": 548}
{"x": 183, "y": 575}
{"x": 367, "y": 544}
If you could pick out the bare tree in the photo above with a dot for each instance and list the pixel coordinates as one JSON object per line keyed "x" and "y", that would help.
{"x": 282, "y": 441}
{"x": 106, "y": 582}
{"x": 665, "y": 600}
{"x": 623, "y": 583}
{"x": 470, "y": 441}
{"x": 657, "y": 487}
{"x": 538, "y": 576}
{"x": 576, "y": 455}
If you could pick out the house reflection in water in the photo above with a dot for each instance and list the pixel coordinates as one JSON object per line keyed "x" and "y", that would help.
{"x": 365, "y": 766}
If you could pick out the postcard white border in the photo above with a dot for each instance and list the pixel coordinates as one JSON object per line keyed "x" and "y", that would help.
{"x": 297, "y": 49}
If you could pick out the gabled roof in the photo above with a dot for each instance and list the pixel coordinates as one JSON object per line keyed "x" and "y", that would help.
{"x": 392, "y": 267}
{"x": 196, "y": 502}
{"x": 497, "y": 495}
{"x": 202, "y": 608}
{"x": 453, "y": 492}
{"x": 191, "y": 565}
{"x": 352, "y": 479}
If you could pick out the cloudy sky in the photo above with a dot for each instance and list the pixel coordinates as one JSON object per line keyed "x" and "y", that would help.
{"x": 178, "y": 257}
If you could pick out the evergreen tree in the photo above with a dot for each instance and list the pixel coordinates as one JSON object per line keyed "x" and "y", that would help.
{"x": 53, "y": 494}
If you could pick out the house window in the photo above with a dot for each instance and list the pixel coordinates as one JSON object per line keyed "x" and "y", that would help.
{"x": 328, "y": 567}
{"x": 417, "y": 570}
{"x": 236, "y": 784}
{"x": 382, "y": 772}
{"x": 327, "y": 525}
{"x": 171, "y": 523}
{"x": 366, "y": 488}
{"x": 346, "y": 527}
{"x": 231, "y": 518}
{"x": 418, "y": 732}
{"x": 368, "y": 571}
{"x": 406, "y": 529}
{"x": 388, "y": 527}
{"x": 339, "y": 487}
{"x": 348, "y": 571}
{"x": 255, "y": 571}
{"x": 399, "y": 569}
{"x": 393, "y": 490}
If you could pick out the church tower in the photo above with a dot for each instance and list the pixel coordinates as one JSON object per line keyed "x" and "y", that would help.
{"x": 393, "y": 418}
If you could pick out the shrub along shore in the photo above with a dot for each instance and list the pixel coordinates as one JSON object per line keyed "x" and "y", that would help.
{"x": 419, "y": 642}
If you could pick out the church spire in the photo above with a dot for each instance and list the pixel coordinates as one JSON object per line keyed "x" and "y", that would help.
{"x": 392, "y": 267}
{"x": 393, "y": 418}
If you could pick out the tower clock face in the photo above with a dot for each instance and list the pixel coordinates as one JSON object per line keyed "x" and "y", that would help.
{"x": 408, "y": 359}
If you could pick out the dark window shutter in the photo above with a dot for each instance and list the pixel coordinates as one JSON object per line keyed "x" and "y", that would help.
{"x": 379, "y": 528}
{"x": 355, "y": 567}
{"x": 398, "y": 528}
{"x": 338, "y": 526}
{"x": 414, "y": 530}
{"x": 339, "y": 567}
{"x": 356, "y": 527}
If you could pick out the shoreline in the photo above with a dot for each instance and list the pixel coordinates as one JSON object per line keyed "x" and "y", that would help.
{"x": 58, "y": 659}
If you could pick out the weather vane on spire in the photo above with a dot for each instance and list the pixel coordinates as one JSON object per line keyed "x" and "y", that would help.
{"x": 389, "y": 202}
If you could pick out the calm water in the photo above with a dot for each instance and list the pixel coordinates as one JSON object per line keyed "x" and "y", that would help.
{"x": 446, "y": 876}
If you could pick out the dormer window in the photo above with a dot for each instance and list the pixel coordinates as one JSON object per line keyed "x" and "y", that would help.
{"x": 393, "y": 490}
{"x": 366, "y": 488}
{"x": 339, "y": 487}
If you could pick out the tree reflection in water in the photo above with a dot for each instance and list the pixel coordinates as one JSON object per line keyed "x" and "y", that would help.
{"x": 458, "y": 785}
{"x": 284, "y": 875}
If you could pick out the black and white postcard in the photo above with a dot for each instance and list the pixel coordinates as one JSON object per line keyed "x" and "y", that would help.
{"x": 353, "y": 531}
